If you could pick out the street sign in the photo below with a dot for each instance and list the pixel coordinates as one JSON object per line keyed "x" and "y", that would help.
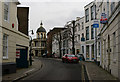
{"x": 96, "y": 24}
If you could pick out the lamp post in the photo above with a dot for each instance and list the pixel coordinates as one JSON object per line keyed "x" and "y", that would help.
{"x": 30, "y": 55}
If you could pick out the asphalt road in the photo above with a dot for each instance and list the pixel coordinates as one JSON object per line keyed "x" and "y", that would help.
{"x": 56, "y": 70}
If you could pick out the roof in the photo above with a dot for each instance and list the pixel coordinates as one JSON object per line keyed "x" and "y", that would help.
{"x": 41, "y": 29}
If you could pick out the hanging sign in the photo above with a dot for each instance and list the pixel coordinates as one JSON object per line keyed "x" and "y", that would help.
{"x": 103, "y": 19}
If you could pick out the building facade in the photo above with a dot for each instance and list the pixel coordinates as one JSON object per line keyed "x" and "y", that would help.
{"x": 110, "y": 37}
{"x": 56, "y": 44}
{"x": 39, "y": 43}
{"x": 66, "y": 41}
{"x": 80, "y": 39}
{"x": 10, "y": 38}
{"x": 50, "y": 35}
{"x": 90, "y": 16}
{"x": 23, "y": 19}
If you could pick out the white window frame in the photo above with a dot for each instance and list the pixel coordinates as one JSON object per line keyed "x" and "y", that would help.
{"x": 7, "y": 4}
{"x": 92, "y": 12}
{"x": 114, "y": 44}
{"x": 92, "y": 32}
{"x": 5, "y": 57}
{"x": 87, "y": 33}
{"x": 87, "y": 15}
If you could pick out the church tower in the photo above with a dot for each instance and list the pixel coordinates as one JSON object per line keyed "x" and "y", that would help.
{"x": 40, "y": 42}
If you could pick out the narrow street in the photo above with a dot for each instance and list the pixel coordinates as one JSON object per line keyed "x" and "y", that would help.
{"x": 56, "y": 70}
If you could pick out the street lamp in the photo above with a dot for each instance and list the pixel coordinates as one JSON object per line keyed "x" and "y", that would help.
{"x": 30, "y": 55}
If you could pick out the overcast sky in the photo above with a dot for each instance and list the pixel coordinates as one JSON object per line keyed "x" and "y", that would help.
{"x": 53, "y": 12}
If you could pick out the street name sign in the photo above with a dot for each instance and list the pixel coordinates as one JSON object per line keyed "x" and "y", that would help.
{"x": 96, "y": 24}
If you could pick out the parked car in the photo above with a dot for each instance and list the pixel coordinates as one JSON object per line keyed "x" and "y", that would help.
{"x": 70, "y": 58}
{"x": 81, "y": 57}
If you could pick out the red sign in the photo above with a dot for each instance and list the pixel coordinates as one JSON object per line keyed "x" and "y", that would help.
{"x": 103, "y": 19}
{"x": 17, "y": 53}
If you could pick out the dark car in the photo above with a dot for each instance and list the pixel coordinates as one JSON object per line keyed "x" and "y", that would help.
{"x": 70, "y": 58}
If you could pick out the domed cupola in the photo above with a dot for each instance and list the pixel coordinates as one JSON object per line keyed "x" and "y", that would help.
{"x": 41, "y": 29}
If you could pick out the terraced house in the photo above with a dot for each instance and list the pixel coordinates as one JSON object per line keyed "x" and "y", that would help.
{"x": 90, "y": 16}
{"x": 110, "y": 37}
{"x": 12, "y": 41}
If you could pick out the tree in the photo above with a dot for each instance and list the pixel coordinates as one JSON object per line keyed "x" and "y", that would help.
{"x": 57, "y": 36}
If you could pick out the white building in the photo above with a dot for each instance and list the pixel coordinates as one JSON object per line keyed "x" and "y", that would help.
{"x": 90, "y": 16}
{"x": 80, "y": 33}
{"x": 110, "y": 37}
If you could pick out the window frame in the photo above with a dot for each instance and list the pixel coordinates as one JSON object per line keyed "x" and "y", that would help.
{"x": 6, "y": 11}
{"x": 6, "y": 45}
{"x": 92, "y": 12}
{"x": 87, "y": 33}
{"x": 92, "y": 32}
{"x": 87, "y": 15}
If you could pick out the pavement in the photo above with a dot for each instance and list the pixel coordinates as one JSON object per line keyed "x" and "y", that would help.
{"x": 95, "y": 72}
{"x": 23, "y": 72}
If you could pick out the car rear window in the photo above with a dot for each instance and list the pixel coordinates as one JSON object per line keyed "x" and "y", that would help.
{"x": 71, "y": 55}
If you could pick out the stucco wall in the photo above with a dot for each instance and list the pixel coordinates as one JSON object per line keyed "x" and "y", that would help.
{"x": 0, "y": 32}
{"x": 12, "y": 16}
{"x": 114, "y": 54}
{"x": 119, "y": 49}
{"x": 13, "y": 39}
{"x": 14, "y": 36}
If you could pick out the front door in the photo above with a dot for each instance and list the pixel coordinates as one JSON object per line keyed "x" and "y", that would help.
{"x": 22, "y": 61}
